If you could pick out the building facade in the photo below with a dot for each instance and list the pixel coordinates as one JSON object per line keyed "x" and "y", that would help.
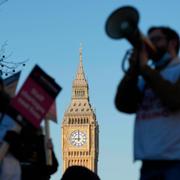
{"x": 80, "y": 129}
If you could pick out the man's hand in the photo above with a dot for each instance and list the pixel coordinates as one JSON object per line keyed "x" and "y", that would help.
{"x": 133, "y": 60}
{"x": 143, "y": 58}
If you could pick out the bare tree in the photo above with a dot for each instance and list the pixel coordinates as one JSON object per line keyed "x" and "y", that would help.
{"x": 9, "y": 67}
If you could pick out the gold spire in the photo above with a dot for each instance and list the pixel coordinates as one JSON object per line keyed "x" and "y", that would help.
{"x": 80, "y": 76}
{"x": 80, "y": 53}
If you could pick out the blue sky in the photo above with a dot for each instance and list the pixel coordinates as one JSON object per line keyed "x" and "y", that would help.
{"x": 49, "y": 34}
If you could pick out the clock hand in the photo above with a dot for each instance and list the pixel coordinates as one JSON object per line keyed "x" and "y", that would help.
{"x": 78, "y": 135}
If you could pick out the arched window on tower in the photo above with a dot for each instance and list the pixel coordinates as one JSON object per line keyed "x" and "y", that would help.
{"x": 69, "y": 121}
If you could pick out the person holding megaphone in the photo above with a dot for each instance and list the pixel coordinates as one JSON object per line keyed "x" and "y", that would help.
{"x": 152, "y": 92}
{"x": 150, "y": 88}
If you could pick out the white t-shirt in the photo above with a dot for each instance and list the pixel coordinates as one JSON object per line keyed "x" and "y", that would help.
{"x": 157, "y": 130}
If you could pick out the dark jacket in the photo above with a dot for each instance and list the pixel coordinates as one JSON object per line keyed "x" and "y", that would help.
{"x": 29, "y": 149}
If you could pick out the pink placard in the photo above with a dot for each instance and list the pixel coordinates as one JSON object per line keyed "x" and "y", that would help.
{"x": 32, "y": 102}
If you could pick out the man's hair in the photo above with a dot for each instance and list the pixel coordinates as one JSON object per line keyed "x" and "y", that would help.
{"x": 169, "y": 33}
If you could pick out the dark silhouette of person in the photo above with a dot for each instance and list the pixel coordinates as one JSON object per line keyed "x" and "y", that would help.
{"x": 151, "y": 90}
{"x": 9, "y": 166}
{"x": 29, "y": 148}
{"x": 79, "y": 173}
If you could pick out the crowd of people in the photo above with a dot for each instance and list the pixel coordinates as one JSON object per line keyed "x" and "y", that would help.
{"x": 25, "y": 159}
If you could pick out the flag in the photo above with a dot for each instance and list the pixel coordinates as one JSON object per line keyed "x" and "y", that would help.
{"x": 52, "y": 113}
{"x": 10, "y": 83}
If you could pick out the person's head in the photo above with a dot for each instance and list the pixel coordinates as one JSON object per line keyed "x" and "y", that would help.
{"x": 79, "y": 173}
{"x": 165, "y": 40}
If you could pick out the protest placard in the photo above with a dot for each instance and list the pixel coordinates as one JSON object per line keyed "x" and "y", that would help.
{"x": 35, "y": 97}
{"x": 30, "y": 105}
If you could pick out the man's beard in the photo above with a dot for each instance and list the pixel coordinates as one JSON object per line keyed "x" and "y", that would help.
{"x": 160, "y": 53}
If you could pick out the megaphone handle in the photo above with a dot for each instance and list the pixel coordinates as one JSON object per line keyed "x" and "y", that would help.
{"x": 126, "y": 56}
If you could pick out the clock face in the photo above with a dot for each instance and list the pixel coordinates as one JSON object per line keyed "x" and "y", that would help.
{"x": 78, "y": 138}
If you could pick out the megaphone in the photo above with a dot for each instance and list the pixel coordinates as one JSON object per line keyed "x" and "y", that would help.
{"x": 123, "y": 23}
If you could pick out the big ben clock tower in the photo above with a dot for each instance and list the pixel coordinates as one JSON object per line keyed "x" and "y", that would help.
{"x": 79, "y": 127}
